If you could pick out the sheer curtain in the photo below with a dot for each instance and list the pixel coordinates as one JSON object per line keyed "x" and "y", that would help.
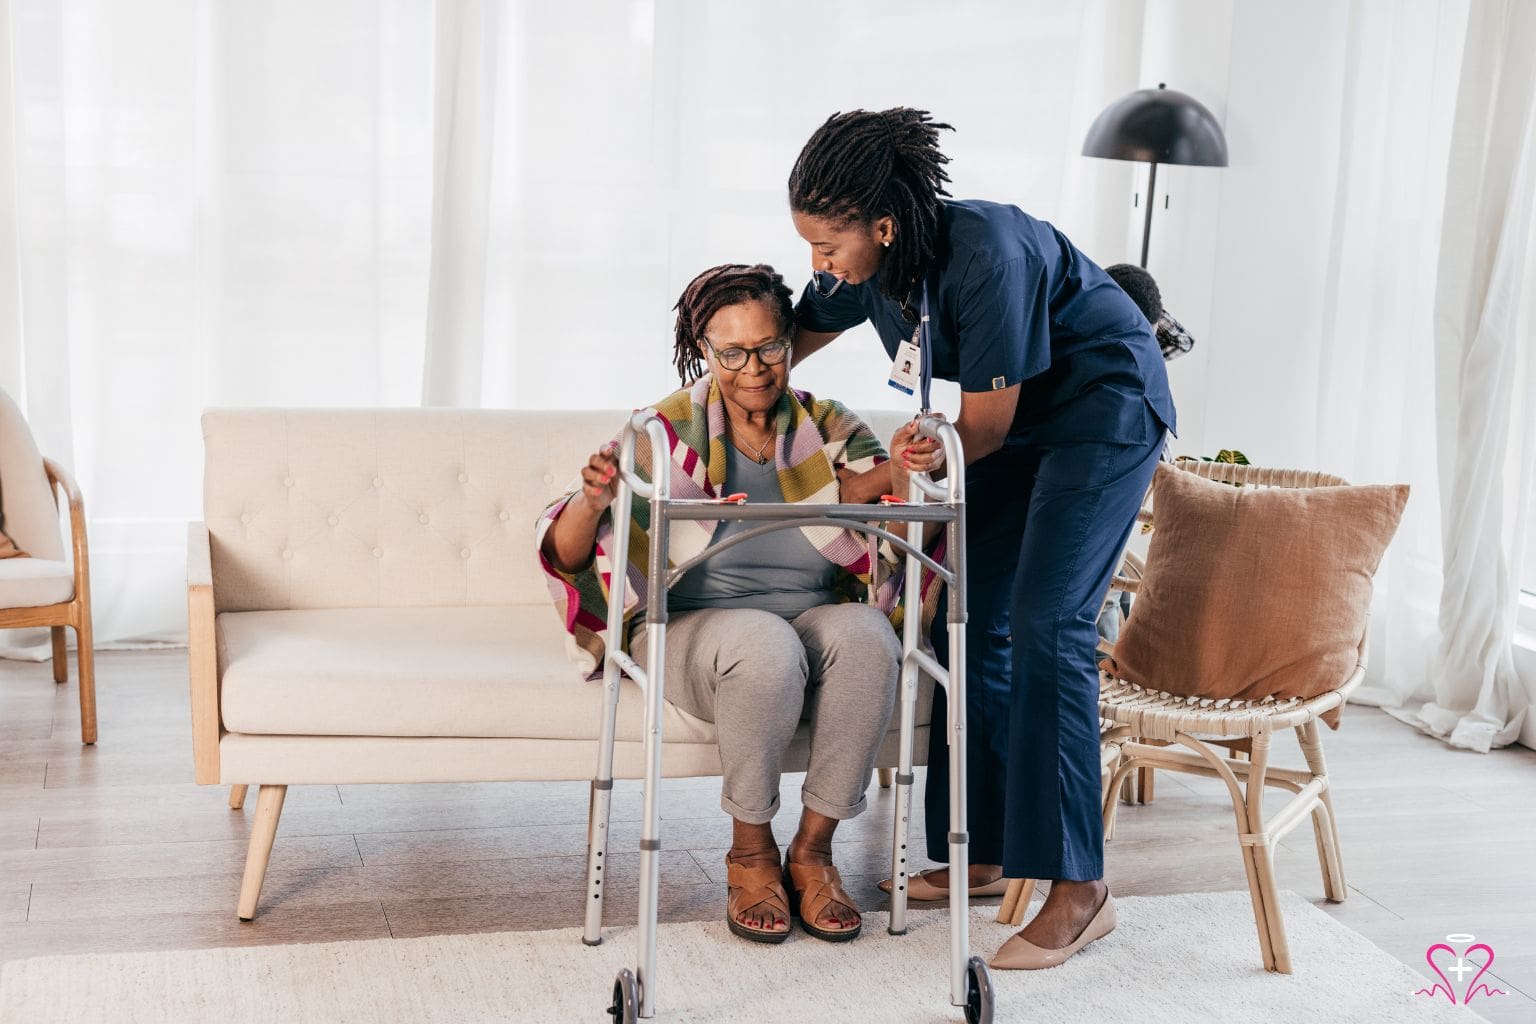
{"x": 462, "y": 202}
{"x": 1485, "y": 325}
{"x": 217, "y": 203}
{"x": 621, "y": 155}
{"x": 1426, "y": 374}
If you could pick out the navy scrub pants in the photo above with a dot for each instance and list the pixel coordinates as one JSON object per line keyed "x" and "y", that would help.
{"x": 1045, "y": 529}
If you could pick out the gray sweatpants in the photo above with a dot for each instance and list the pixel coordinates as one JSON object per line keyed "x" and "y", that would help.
{"x": 755, "y": 675}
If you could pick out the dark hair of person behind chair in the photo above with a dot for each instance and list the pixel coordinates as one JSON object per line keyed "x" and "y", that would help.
{"x": 1141, "y": 287}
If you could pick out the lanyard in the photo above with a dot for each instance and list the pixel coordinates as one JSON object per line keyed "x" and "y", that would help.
{"x": 925, "y": 348}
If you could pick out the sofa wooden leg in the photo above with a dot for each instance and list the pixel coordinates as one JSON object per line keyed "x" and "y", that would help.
{"x": 236, "y": 797}
{"x": 887, "y": 777}
{"x": 60, "y": 657}
{"x": 269, "y": 808}
{"x": 85, "y": 659}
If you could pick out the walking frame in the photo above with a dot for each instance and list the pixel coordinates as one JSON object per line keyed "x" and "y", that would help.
{"x": 634, "y": 993}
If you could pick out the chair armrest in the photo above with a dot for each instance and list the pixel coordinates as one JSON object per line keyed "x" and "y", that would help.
{"x": 203, "y": 655}
{"x": 59, "y": 479}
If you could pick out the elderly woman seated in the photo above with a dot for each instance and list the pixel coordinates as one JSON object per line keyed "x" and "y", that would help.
{"x": 762, "y": 633}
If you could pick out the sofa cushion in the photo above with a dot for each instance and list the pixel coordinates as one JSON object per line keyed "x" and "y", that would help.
{"x": 35, "y": 582}
{"x": 476, "y": 672}
{"x": 27, "y": 510}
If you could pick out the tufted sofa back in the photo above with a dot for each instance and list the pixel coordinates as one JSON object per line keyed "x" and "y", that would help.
{"x": 410, "y": 507}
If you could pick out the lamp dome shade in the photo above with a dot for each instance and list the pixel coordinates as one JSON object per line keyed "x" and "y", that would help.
{"x": 1162, "y": 125}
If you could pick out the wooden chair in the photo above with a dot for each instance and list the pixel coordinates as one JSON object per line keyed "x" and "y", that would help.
{"x": 1214, "y": 733}
{"x": 42, "y": 590}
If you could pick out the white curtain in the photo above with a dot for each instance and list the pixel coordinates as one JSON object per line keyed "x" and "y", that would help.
{"x": 218, "y": 204}
{"x": 1485, "y": 326}
{"x": 463, "y": 202}
{"x": 1426, "y": 372}
{"x": 600, "y": 155}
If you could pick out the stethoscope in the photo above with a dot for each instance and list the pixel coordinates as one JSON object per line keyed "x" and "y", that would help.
{"x": 919, "y": 336}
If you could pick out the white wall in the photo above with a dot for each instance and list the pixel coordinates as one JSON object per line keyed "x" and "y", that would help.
{"x": 1241, "y": 252}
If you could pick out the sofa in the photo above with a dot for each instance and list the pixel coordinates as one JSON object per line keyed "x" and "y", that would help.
{"x": 365, "y": 606}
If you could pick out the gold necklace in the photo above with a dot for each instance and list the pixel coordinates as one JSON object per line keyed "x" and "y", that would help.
{"x": 758, "y": 456}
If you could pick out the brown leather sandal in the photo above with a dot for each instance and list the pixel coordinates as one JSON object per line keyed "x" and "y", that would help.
{"x": 749, "y": 886}
{"x": 812, "y": 887}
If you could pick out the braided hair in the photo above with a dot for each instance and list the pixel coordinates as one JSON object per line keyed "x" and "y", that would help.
{"x": 718, "y": 287}
{"x": 863, "y": 165}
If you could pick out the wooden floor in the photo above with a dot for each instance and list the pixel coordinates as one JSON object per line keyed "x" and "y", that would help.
{"x": 113, "y": 848}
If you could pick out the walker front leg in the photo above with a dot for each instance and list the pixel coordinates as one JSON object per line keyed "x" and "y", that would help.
{"x": 959, "y": 839}
{"x": 599, "y": 816}
{"x": 600, "y": 804}
{"x": 655, "y": 676}
{"x": 901, "y": 838}
{"x": 911, "y": 636}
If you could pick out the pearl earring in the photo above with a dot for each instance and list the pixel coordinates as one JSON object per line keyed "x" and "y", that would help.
{"x": 886, "y": 244}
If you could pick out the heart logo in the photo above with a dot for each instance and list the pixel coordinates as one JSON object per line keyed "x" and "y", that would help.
{"x": 1444, "y": 985}
{"x": 1460, "y": 965}
{"x": 1474, "y": 988}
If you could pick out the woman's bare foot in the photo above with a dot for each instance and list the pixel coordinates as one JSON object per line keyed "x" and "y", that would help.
{"x": 813, "y": 845}
{"x": 1068, "y": 909}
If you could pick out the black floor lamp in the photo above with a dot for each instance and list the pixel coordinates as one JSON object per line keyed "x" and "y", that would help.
{"x": 1156, "y": 126}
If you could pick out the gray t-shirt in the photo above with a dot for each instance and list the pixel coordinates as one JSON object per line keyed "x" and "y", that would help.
{"x": 779, "y": 572}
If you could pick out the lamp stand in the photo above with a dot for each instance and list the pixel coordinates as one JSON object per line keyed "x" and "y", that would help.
{"x": 1146, "y": 228}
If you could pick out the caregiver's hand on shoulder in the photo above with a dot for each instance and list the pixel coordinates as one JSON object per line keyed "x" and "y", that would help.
{"x": 599, "y": 481}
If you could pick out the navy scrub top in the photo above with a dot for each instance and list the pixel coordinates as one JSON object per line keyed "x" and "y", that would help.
{"x": 1012, "y": 301}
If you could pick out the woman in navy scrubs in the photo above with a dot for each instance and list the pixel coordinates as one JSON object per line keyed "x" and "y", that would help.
{"x": 1063, "y": 412}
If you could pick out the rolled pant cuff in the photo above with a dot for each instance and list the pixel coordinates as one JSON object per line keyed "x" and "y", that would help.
{"x": 747, "y": 815}
{"x": 831, "y": 810}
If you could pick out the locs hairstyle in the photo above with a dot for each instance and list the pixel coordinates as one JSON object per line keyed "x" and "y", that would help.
{"x": 862, "y": 165}
{"x": 709, "y": 293}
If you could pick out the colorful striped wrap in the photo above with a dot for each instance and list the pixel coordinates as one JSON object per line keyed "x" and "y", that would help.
{"x": 815, "y": 439}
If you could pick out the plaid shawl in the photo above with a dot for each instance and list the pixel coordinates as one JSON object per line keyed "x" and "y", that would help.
{"x": 815, "y": 439}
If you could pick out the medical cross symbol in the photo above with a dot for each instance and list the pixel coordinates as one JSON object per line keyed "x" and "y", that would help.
{"x": 1462, "y": 968}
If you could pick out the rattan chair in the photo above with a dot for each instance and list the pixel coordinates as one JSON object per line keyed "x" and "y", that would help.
{"x": 1196, "y": 736}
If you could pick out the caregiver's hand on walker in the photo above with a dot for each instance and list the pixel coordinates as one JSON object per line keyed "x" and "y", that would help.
{"x": 911, "y": 453}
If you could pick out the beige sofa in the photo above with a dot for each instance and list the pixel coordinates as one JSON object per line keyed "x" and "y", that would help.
{"x": 365, "y": 606}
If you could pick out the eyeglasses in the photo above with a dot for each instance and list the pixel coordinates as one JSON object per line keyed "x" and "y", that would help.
{"x": 771, "y": 354}
{"x": 825, "y": 284}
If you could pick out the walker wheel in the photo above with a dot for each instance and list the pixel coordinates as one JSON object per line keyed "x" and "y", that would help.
{"x": 625, "y": 1008}
{"x": 978, "y": 993}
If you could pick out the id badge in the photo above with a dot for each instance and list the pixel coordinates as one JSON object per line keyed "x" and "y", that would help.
{"x": 907, "y": 369}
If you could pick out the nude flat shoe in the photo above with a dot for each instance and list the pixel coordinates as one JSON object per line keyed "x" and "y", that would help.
{"x": 1019, "y": 954}
{"x": 923, "y": 891}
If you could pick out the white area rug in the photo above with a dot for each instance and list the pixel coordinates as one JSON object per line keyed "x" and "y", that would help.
{"x": 1175, "y": 959}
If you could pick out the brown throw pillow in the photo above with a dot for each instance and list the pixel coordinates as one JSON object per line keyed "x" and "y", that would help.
{"x": 1255, "y": 592}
